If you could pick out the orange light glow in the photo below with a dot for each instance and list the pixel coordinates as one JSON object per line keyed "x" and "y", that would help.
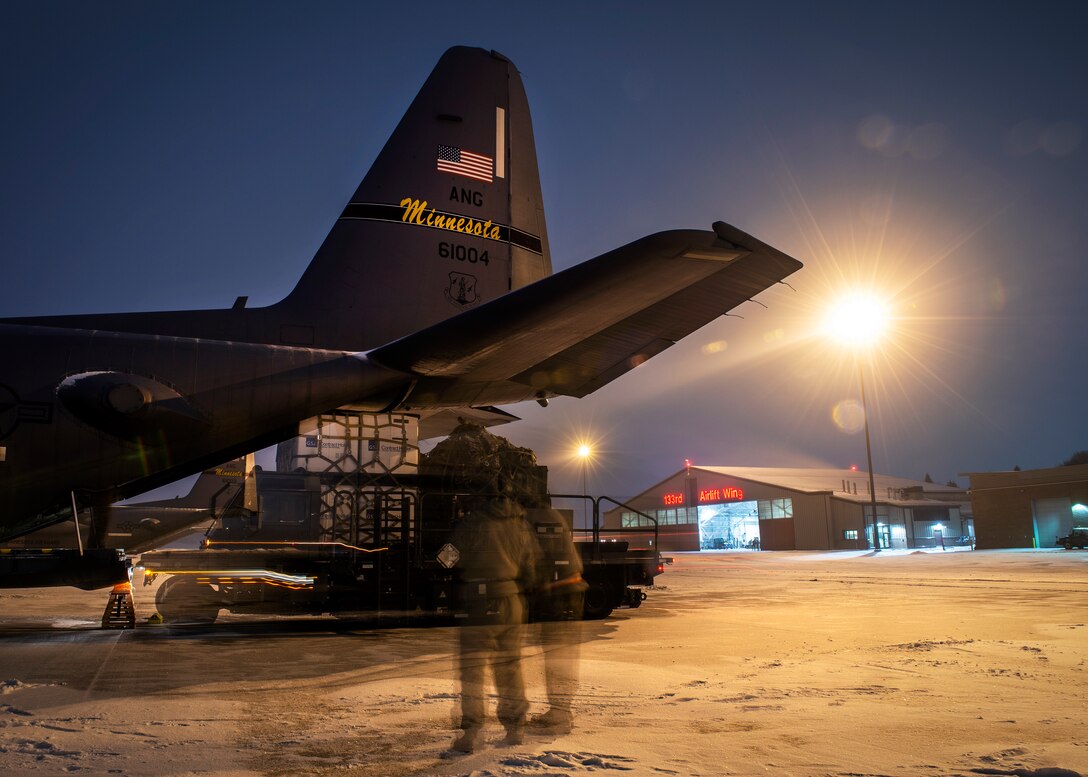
{"x": 246, "y": 576}
{"x": 292, "y": 543}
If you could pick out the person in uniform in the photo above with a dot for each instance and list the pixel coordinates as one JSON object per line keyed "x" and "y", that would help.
{"x": 559, "y": 604}
{"x": 499, "y": 561}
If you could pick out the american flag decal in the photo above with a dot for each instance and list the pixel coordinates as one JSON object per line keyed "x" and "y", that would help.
{"x": 460, "y": 162}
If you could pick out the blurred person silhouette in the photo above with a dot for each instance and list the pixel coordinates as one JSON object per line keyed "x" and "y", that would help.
{"x": 558, "y": 604}
{"x": 499, "y": 563}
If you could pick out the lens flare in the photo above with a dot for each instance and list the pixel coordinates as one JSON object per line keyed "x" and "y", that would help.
{"x": 1061, "y": 139}
{"x": 849, "y": 416}
{"x": 998, "y": 295}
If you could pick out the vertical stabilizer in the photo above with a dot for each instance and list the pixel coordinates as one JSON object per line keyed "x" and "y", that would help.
{"x": 449, "y": 216}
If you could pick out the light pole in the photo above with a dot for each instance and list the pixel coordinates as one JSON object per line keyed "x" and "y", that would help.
{"x": 858, "y": 321}
{"x": 869, "y": 458}
{"x": 584, "y": 452}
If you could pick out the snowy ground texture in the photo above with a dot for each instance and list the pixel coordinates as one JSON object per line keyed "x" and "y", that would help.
{"x": 808, "y": 664}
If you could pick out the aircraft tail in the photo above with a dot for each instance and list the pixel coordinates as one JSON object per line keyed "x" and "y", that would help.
{"x": 449, "y": 216}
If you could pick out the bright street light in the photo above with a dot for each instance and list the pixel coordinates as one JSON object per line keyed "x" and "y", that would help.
{"x": 858, "y": 321}
{"x": 585, "y": 453}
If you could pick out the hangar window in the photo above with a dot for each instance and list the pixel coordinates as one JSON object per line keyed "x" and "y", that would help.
{"x": 635, "y": 521}
{"x": 775, "y": 508}
{"x": 685, "y": 515}
{"x": 849, "y": 534}
{"x": 672, "y": 517}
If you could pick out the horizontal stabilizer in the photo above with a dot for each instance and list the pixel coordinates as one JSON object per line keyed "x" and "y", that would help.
{"x": 579, "y": 329}
{"x": 439, "y": 423}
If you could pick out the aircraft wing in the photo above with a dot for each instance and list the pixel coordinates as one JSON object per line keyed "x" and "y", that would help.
{"x": 575, "y": 331}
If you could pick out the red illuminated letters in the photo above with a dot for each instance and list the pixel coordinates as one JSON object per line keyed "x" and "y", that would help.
{"x": 731, "y": 493}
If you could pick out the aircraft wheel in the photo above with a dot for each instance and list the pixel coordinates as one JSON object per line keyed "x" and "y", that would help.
{"x": 182, "y": 599}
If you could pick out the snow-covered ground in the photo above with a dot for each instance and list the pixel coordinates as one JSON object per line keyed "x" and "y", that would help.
{"x": 800, "y": 663}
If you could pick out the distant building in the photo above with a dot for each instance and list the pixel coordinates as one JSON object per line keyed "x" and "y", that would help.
{"x": 792, "y": 509}
{"x": 1029, "y": 508}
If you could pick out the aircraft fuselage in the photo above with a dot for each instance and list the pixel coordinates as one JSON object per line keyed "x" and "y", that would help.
{"x": 115, "y": 414}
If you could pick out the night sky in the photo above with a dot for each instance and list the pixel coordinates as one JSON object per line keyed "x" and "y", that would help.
{"x": 161, "y": 156}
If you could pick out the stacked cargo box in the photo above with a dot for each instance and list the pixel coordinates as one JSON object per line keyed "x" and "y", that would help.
{"x": 359, "y": 457}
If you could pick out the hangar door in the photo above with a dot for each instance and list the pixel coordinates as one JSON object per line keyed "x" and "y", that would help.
{"x": 729, "y": 526}
{"x": 1053, "y": 519}
{"x": 764, "y": 524}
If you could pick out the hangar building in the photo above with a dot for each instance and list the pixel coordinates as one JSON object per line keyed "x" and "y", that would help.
{"x": 1029, "y": 508}
{"x": 792, "y": 509}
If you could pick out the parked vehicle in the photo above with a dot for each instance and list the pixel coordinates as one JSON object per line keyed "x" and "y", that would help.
{"x": 1078, "y": 538}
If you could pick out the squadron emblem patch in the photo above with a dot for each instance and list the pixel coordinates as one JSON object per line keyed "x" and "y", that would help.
{"x": 462, "y": 289}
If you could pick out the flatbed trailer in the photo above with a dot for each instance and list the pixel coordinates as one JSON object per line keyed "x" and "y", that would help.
{"x": 397, "y": 559}
{"x": 340, "y": 579}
